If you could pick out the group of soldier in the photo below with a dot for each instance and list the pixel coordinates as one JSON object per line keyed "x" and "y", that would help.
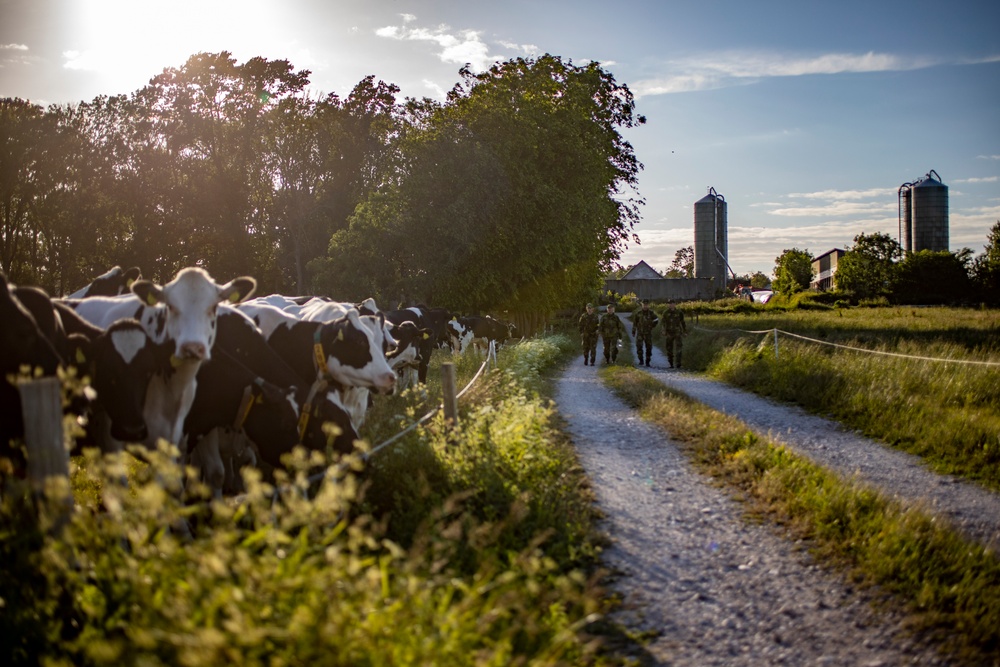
{"x": 612, "y": 330}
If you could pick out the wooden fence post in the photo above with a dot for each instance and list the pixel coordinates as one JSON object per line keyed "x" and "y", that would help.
{"x": 449, "y": 393}
{"x": 48, "y": 461}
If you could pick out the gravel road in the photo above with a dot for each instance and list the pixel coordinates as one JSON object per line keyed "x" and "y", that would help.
{"x": 715, "y": 588}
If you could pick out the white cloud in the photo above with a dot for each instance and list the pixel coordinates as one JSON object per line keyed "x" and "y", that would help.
{"x": 461, "y": 47}
{"x": 840, "y": 195}
{"x": 988, "y": 157}
{"x": 13, "y": 47}
{"x": 985, "y": 179}
{"x": 526, "y": 49}
{"x": 837, "y": 209}
{"x": 737, "y": 68}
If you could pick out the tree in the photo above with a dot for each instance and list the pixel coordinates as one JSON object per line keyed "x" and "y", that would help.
{"x": 683, "y": 264}
{"x": 759, "y": 281}
{"x": 793, "y": 271}
{"x": 868, "y": 267}
{"x": 985, "y": 268}
{"x": 513, "y": 194}
{"x": 927, "y": 277}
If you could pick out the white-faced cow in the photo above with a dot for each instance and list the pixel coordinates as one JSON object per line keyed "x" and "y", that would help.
{"x": 115, "y": 282}
{"x": 181, "y": 315}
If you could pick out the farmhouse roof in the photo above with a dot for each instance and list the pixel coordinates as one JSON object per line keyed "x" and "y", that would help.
{"x": 642, "y": 271}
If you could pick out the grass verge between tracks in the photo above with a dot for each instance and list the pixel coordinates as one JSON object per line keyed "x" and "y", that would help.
{"x": 950, "y": 586}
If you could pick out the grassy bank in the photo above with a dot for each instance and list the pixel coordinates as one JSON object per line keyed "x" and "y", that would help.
{"x": 950, "y": 586}
{"x": 464, "y": 546}
{"x": 947, "y": 413}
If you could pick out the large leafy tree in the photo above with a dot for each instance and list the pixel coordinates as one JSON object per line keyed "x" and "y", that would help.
{"x": 793, "y": 271}
{"x": 515, "y": 193}
{"x": 868, "y": 268}
{"x": 210, "y": 117}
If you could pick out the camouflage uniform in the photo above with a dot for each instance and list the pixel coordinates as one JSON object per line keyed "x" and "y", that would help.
{"x": 612, "y": 331}
{"x": 673, "y": 331}
{"x": 588, "y": 336}
{"x": 644, "y": 321}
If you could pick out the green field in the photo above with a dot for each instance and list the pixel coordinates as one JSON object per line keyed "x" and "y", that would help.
{"x": 923, "y": 401}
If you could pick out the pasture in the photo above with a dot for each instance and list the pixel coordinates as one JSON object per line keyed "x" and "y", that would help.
{"x": 925, "y": 400}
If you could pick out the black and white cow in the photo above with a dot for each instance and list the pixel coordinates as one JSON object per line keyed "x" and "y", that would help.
{"x": 350, "y": 349}
{"x": 421, "y": 336}
{"x": 481, "y": 331}
{"x": 119, "y": 361}
{"x": 22, "y": 343}
{"x": 247, "y": 388}
{"x": 181, "y": 315}
{"x": 113, "y": 283}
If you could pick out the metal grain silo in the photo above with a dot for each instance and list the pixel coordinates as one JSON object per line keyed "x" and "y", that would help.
{"x": 930, "y": 214}
{"x": 905, "y": 217}
{"x": 711, "y": 246}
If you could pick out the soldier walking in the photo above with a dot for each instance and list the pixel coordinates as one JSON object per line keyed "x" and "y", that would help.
{"x": 644, "y": 321}
{"x": 674, "y": 330}
{"x": 612, "y": 331}
{"x": 588, "y": 334}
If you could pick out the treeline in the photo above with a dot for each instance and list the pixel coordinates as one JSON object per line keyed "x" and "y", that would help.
{"x": 513, "y": 193}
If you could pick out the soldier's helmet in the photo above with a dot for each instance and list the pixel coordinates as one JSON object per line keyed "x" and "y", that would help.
{"x": 645, "y": 300}
{"x": 590, "y": 305}
{"x": 611, "y": 306}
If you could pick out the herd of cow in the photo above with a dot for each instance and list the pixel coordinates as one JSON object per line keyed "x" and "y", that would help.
{"x": 230, "y": 379}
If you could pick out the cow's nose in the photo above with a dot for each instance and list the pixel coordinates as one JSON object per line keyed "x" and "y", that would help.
{"x": 193, "y": 350}
{"x": 386, "y": 382}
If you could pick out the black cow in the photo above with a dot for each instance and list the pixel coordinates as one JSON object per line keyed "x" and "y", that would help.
{"x": 113, "y": 283}
{"x": 22, "y": 343}
{"x": 248, "y": 387}
{"x": 422, "y": 335}
{"x": 119, "y": 362}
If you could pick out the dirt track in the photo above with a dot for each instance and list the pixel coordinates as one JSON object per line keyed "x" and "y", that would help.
{"x": 715, "y": 588}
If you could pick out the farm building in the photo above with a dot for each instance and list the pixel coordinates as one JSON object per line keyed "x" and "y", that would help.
{"x": 646, "y": 283}
{"x": 824, "y": 268}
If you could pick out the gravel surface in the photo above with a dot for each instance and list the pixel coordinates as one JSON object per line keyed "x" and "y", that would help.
{"x": 715, "y": 588}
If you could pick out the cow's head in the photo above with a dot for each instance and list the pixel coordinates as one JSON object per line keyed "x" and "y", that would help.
{"x": 187, "y": 309}
{"x": 353, "y": 347}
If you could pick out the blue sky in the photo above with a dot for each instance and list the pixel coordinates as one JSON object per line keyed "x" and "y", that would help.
{"x": 805, "y": 116}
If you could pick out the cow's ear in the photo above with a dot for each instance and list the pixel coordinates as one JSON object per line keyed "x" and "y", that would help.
{"x": 148, "y": 291}
{"x": 131, "y": 275}
{"x": 237, "y": 290}
{"x": 78, "y": 348}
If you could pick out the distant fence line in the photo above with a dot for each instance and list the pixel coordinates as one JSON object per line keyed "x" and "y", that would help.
{"x": 849, "y": 347}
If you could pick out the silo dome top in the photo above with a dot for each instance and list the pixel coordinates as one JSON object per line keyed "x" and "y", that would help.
{"x": 929, "y": 180}
{"x": 710, "y": 198}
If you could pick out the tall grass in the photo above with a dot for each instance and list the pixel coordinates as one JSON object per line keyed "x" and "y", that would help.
{"x": 947, "y": 413}
{"x": 461, "y": 546}
{"x": 949, "y": 585}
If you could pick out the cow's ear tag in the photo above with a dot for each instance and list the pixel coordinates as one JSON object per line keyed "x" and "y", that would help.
{"x": 81, "y": 358}
{"x": 340, "y": 335}
{"x": 150, "y": 299}
{"x": 129, "y": 283}
{"x": 426, "y": 336}
{"x": 234, "y": 297}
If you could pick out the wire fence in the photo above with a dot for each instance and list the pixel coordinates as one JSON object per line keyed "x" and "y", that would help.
{"x": 777, "y": 331}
